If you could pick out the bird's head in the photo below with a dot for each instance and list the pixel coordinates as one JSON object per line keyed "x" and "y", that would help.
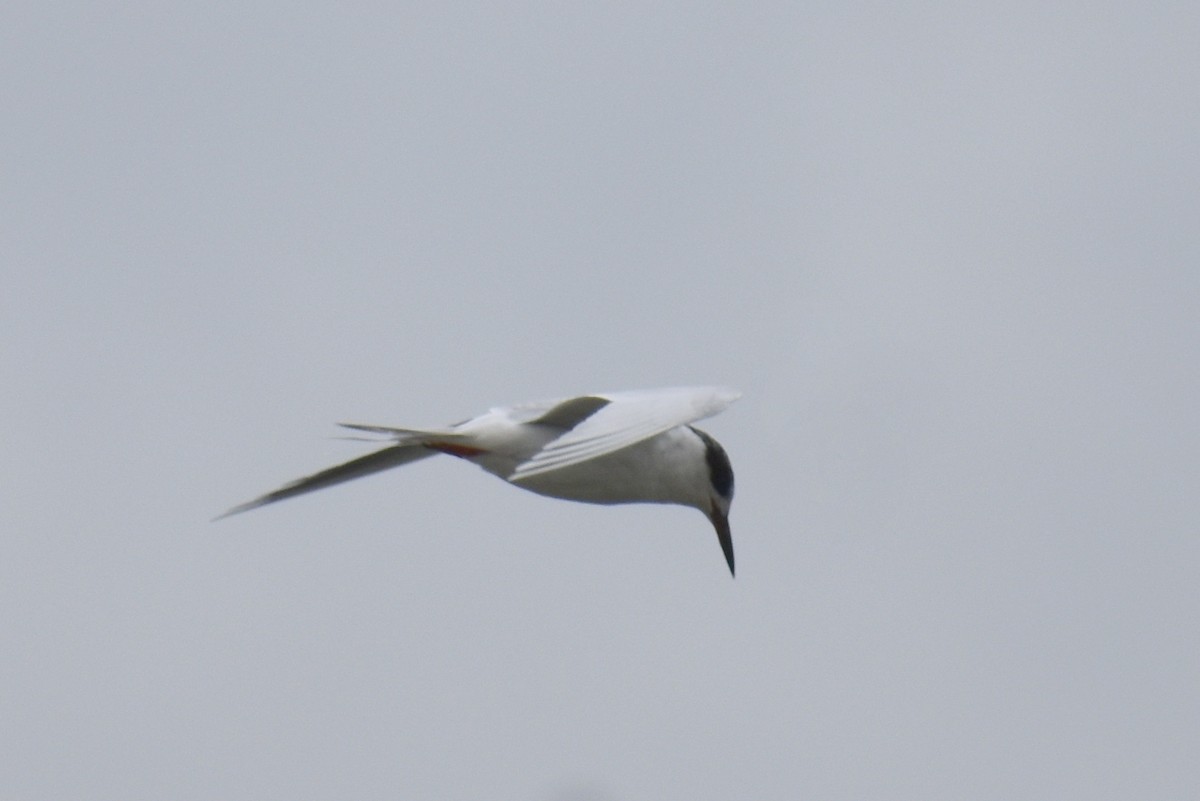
{"x": 720, "y": 492}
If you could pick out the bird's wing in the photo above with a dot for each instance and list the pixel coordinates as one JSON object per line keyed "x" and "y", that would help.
{"x": 393, "y": 456}
{"x": 568, "y": 414}
{"x": 625, "y": 418}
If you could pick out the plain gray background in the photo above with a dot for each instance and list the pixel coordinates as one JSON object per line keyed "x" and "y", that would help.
{"x": 948, "y": 251}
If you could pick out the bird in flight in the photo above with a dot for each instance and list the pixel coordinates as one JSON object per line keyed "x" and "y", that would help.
{"x": 611, "y": 447}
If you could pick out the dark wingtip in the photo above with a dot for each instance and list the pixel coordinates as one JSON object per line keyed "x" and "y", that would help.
{"x": 237, "y": 510}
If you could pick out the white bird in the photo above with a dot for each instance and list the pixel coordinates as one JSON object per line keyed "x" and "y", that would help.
{"x": 611, "y": 447}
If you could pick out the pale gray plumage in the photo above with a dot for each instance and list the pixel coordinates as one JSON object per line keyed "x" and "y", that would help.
{"x": 614, "y": 447}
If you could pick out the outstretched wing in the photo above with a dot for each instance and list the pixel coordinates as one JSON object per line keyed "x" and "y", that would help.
{"x": 385, "y": 459}
{"x": 625, "y": 418}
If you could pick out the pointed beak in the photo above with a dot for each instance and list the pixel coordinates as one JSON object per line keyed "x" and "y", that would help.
{"x": 720, "y": 522}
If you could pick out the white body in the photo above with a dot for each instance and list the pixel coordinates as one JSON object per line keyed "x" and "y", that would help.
{"x": 634, "y": 474}
{"x": 617, "y": 447}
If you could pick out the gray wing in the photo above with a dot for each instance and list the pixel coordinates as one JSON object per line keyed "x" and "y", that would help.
{"x": 393, "y": 456}
{"x": 623, "y": 419}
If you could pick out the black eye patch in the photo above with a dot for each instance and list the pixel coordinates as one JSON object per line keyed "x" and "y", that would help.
{"x": 720, "y": 471}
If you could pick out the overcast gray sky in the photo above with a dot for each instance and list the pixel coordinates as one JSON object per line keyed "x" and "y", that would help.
{"x": 949, "y": 252}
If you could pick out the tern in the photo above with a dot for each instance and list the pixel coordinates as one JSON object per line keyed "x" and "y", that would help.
{"x": 607, "y": 448}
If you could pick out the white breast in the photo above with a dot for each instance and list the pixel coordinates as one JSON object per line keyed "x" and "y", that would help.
{"x": 667, "y": 468}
